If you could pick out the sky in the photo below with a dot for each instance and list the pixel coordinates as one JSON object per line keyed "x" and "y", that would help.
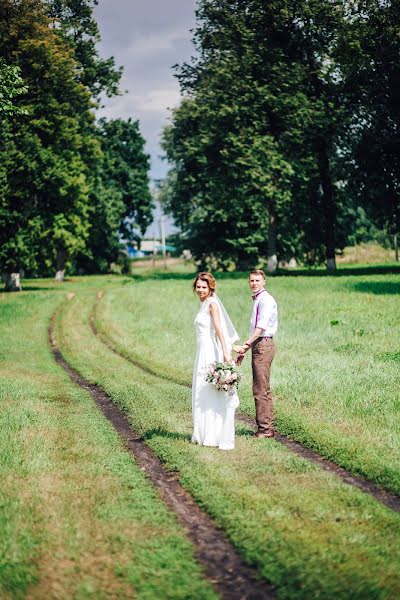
{"x": 146, "y": 37}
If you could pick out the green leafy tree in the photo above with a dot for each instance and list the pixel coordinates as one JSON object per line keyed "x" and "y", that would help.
{"x": 260, "y": 128}
{"x": 47, "y": 182}
{"x": 122, "y": 200}
{"x": 231, "y": 180}
{"x": 373, "y": 77}
{"x": 11, "y": 86}
{"x": 75, "y": 22}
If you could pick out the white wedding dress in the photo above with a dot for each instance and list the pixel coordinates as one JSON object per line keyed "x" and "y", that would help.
{"x": 213, "y": 410}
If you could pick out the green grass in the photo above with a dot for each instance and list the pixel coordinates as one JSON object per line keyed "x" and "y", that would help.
{"x": 304, "y": 530}
{"x": 335, "y": 377}
{"x": 78, "y": 518}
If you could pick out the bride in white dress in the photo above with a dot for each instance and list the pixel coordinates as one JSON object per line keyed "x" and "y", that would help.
{"x": 213, "y": 410}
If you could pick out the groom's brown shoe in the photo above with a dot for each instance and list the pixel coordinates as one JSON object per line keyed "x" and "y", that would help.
{"x": 264, "y": 434}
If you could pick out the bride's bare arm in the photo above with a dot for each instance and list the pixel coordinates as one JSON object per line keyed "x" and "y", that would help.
{"x": 214, "y": 311}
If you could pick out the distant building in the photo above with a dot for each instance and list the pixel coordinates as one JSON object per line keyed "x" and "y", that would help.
{"x": 148, "y": 248}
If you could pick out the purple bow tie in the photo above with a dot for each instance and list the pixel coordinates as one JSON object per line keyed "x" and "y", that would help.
{"x": 257, "y": 294}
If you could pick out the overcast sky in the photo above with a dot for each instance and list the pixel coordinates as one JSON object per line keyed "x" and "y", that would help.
{"x": 146, "y": 37}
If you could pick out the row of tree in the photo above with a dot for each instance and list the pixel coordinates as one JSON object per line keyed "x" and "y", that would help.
{"x": 71, "y": 188}
{"x": 289, "y": 129}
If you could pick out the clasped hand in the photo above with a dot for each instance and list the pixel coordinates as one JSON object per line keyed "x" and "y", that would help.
{"x": 239, "y": 359}
{"x": 241, "y": 351}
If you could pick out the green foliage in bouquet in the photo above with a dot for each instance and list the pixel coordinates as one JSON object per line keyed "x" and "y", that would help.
{"x": 224, "y": 376}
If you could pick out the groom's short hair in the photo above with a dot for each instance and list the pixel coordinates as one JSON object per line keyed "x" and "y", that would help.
{"x": 258, "y": 272}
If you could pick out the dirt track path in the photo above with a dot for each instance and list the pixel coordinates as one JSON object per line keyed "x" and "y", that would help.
{"x": 387, "y": 498}
{"x": 223, "y": 566}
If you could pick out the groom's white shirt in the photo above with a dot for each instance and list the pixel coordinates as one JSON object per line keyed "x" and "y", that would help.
{"x": 265, "y": 310}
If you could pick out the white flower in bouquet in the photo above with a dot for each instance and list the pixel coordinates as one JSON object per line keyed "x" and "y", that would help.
{"x": 224, "y": 376}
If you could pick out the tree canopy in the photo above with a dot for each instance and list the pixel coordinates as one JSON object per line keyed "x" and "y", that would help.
{"x": 56, "y": 168}
{"x": 121, "y": 198}
{"x": 268, "y": 136}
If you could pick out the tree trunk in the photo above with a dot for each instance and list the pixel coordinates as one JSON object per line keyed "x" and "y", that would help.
{"x": 329, "y": 207}
{"x": 244, "y": 264}
{"x": 12, "y": 282}
{"x": 396, "y": 247}
{"x": 61, "y": 257}
{"x": 272, "y": 253}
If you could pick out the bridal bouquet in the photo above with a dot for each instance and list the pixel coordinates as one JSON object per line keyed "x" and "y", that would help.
{"x": 224, "y": 376}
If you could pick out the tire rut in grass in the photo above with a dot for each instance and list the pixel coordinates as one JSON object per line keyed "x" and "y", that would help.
{"x": 134, "y": 362}
{"x": 389, "y": 499}
{"x": 383, "y": 496}
{"x": 223, "y": 566}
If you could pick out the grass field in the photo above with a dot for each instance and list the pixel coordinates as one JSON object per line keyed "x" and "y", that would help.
{"x": 78, "y": 519}
{"x": 75, "y": 506}
{"x": 336, "y": 374}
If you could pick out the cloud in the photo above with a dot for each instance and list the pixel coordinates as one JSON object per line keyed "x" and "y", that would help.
{"x": 154, "y": 101}
{"x": 146, "y": 37}
{"x": 153, "y": 44}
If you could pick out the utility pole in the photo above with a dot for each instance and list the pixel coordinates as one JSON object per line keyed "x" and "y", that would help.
{"x": 153, "y": 254}
{"x": 162, "y": 234}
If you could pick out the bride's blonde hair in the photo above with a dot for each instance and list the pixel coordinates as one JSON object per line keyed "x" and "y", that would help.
{"x": 208, "y": 278}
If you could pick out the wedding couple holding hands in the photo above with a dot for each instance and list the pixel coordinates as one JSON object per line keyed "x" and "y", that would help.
{"x": 213, "y": 409}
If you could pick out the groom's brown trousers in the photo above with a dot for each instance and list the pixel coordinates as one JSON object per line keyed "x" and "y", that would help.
{"x": 262, "y": 355}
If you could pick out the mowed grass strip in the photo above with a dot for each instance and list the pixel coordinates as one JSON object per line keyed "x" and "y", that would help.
{"x": 335, "y": 377}
{"x": 78, "y": 518}
{"x": 305, "y": 531}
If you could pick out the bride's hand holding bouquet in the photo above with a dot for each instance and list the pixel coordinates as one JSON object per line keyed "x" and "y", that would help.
{"x": 224, "y": 376}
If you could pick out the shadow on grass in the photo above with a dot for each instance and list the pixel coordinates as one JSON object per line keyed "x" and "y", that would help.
{"x": 342, "y": 271}
{"x": 162, "y": 276}
{"x": 244, "y": 432}
{"x": 171, "y": 435}
{"x": 41, "y": 288}
{"x": 166, "y": 275}
{"x": 377, "y": 287}
{"x": 29, "y": 285}
{"x": 88, "y": 281}
{"x": 315, "y": 272}
{"x": 369, "y": 287}
{"x": 174, "y": 435}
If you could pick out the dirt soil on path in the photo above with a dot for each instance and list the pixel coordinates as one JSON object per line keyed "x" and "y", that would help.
{"x": 387, "y": 498}
{"x": 223, "y": 566}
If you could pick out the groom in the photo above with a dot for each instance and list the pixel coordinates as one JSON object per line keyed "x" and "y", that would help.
{"x": 263, "y": 326}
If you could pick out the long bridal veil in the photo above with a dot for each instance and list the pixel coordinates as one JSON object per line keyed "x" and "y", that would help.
{"x": 228, "y": 329}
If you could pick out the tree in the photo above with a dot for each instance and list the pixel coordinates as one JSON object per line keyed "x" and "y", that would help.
{"x": 122, "y": 200}
{"x": 373, "y": 77}
{"x": 277, "y": 79}
{"x": 47, "y": 181}
{"x": 229, "y": 170}
{"x": 74, "y": 21}
{"x": 259, "y": 129}
{"x": 11, "y": 86}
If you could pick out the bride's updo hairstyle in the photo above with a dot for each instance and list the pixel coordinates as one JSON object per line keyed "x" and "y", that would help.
{"x": 208, "y": 278}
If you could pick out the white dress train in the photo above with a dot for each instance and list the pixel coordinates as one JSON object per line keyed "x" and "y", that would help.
{"x": 213, "y": 410}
